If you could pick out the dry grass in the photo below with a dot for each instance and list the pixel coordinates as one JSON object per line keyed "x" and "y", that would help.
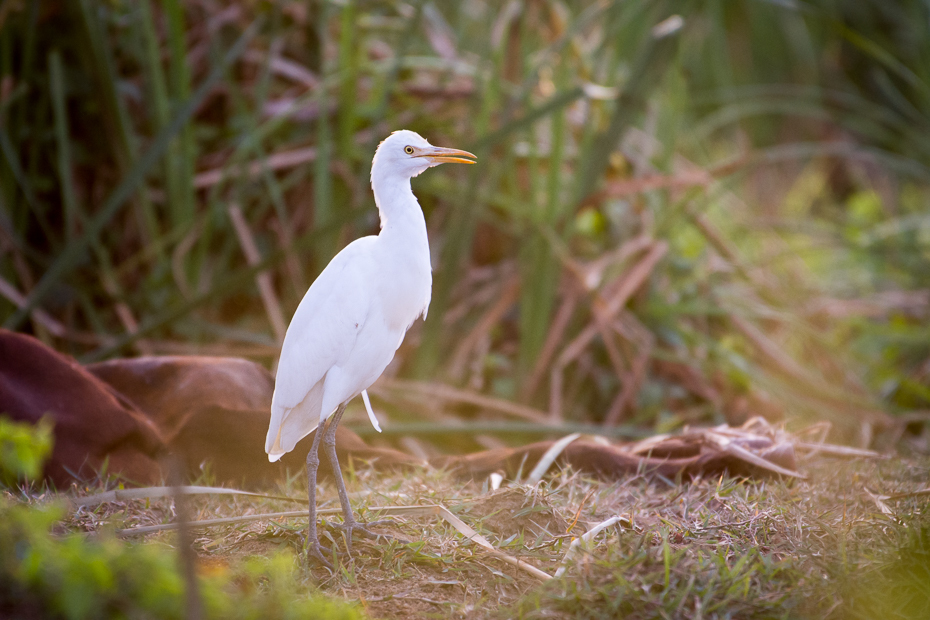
{"x": 709, "y": 548}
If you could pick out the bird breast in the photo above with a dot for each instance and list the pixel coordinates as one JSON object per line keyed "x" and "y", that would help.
{"x": 404, "y": 285}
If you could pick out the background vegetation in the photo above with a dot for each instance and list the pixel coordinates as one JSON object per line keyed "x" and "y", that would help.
{"x": 685, "y": 211}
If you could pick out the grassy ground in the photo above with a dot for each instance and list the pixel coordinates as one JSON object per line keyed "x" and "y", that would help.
{"x": 710, "y": 548}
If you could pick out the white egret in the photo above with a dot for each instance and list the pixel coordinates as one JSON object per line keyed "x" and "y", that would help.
{"x": 354, "y": 317}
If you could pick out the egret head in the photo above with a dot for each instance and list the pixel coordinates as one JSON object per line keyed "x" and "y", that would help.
{"x": 406, "y": 154}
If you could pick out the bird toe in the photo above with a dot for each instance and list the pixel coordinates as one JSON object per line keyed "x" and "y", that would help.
{"x": 350, "y": 528}
{"x": 317, "y": 552}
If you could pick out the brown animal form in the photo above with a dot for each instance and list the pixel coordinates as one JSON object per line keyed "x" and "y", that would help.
{"x": 93, "y": 423}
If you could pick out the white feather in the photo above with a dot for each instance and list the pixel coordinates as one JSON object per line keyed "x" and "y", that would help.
{"x": 353, "y": 318}
{"x": 371, "y": 413}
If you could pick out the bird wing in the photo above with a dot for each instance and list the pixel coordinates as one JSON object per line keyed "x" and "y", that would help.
{"x": 321, "y": 335}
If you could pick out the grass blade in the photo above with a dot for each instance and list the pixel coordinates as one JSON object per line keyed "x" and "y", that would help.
{"x": 68, "y": 258}
{"x": 63, "y": 143}
{"x": 125, "y": 495}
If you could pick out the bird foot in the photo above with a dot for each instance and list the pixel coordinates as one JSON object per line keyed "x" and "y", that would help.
{"x": 318, "y": 552}
{"x": 352, "y": 526}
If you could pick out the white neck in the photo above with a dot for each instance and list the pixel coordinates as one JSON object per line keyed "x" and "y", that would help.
{"x": 397, "y": 205}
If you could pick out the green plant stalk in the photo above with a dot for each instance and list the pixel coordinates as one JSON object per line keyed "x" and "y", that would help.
{"x": 72, "y": 210}
{"x": 63, "y": 143}
{"x": 16, "y": 170}
{"x": 720, "y": 62}
{"x": 8, "y": 182}
{"x": 276, "y": 195}
{"x": 275, "y": 190}
{"x": 234, "y": 187}
{"x": 27, "y": 54}
{"x": 125, "y": 143}
{"x": 538, "y": 292}
{"x": 648, "y": 70}
{"x": 158, "y": 98}
{"x": 68, "y": 258}
{"x": 182, "y": 153}
{"x": 348, "y": 62}
{"x": 323, "y": 208}
{"x": 529, "y": 255}
{"x": 558, "y": 101}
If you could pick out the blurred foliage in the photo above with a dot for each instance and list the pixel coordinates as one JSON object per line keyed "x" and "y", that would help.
{"x": 779, "y": 148}
{"x": 49, "y": 575}
{"x": 23, "y": 450}
{"x": 893, "y": 583}
{"x": 635, "y": 582}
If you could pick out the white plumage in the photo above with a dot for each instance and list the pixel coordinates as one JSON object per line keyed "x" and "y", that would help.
{"x": 352, "y": 320}
{"x": 354, "y": 317}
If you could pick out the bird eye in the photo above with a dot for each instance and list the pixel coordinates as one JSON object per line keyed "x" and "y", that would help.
{"x": 408, "y": 150}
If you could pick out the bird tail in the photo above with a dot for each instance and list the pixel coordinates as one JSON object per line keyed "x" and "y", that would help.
{"x": 291, "y": 424}
{"x": 275, "y": 452}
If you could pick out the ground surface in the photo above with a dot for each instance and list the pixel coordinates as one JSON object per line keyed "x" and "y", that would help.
{"x": 709, "y": 548}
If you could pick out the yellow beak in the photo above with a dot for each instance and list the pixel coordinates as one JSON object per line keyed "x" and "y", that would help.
{"x": 442, "y": 155}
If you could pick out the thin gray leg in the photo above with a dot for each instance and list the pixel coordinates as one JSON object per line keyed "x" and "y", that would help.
{"x": 349, "y": 523}
{"x": 313, "y": 547}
